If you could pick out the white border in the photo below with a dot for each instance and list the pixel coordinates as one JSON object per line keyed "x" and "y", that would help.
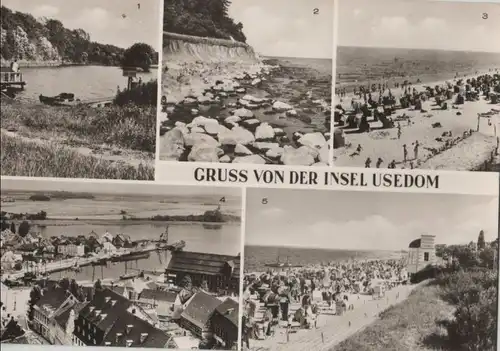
{"x": 242, "y": 263}
{"x": 159, "y": 82}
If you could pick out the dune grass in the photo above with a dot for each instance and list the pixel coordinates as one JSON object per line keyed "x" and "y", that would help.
{"x": 131, "y": 127}
{"x": 410, "y": 325}
{"x": 21, "y": 158}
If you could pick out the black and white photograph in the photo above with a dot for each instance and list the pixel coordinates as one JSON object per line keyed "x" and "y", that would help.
{"x": 247, "y": 82}
{"x": 371, "y": 271}
{"x": 79, "y": 88}
{"x": 417, "y": 85}
{"x": 120, "y": 264}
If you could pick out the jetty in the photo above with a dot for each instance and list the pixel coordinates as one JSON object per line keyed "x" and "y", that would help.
{"x": 11, "y": 80}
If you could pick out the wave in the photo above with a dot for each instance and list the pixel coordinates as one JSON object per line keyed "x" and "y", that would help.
{"x": 178, "y": 48}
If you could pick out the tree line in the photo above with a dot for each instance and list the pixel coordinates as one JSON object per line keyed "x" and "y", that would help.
{"x": 204, "y": 18}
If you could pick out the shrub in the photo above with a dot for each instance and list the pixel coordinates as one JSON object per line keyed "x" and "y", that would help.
{"x": 145, "y": 94}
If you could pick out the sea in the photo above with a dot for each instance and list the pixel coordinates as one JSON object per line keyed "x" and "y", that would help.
{"x": 86, "y": 82}
{"x": 323, "y": 65}
{"x": 363, "y": 65}
{"x": 73, "y": 217}
{"x": 256, "y": 257}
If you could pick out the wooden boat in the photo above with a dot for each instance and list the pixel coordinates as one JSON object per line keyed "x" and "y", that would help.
{"x": 132, "y": 256}
{"x": 128, "y": 276}
{"x": 63, "y": 99}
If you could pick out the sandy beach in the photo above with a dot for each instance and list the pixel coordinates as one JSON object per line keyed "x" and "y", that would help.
{"x": 435, "y": 129}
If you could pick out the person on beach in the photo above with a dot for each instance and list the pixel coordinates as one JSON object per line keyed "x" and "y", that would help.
{"x": 399, "y": 131}
{"x": 405, "y": 153}
{"x": 415, "y": 149}
{"x": 359, "y": 149}
{"x": 368, "y": 162}
{"x": 379, "y": 162}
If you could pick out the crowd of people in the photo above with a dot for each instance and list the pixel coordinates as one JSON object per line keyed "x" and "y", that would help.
{"x": 379, "y": 103}
{"x": 330, "y": 286}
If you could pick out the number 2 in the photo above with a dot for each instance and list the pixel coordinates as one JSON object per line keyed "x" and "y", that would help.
{"x": 315, "y": 11}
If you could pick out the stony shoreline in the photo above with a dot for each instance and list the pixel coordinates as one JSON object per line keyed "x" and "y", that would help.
{"x": 246, "y": 123}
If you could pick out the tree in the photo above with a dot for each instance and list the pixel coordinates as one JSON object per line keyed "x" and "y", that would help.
{"x": 98, "y": 285}
{"x": 487, "y": 257}
{"x": 204, "y": 285}
{"x": 138, "y": 55}
{"x": 13, "y": 228}
{"x": 24, "y": 228}
{"x": 35, "y": 295}
{"x": 186, "y": 282}
{"x": 481, "y": 244}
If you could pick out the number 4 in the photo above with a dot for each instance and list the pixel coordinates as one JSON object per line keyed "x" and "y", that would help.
{"x": 222, "y": 199}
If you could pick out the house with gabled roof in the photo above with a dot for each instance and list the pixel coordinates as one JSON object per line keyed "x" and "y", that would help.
{"x": 224, "y": 324}
{"x": 197, "y": 313}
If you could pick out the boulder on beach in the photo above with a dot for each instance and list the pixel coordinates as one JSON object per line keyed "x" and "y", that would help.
{"x": 275, "y": 153}
{"x": 281, "y": 106}
{"x": 243, "y": 113}
{"x": 249, "y": 105}
{"x": 291, "y": 113}
{"x": 242, "y": 150}
{"x": 215, "y": 129}
{"x": 233, "y": 119}
{"x": 324, "y": 153}
{"x": 204, "y": 153}
{"x": 314, "y": 140}
{"x": 203, "y": 121}
{"x": 225, "y": 159}
{"x": 237, "y": 135}
{"x": 241, "y": 90}
{"x": 251, "y": 124}
{"x": 253, "y": 99}
{"x": 256, "y": 81}
{"x": 179, "y": 124}
{"x": 279, "y": 132}
{"x": 197, "y": 129}
{"x": 296, "y": 157}
{"x": 172, "y": 145}
{"x": 253, "y": 159}
{"x": 200, "y": 139}
{"x": 264, "y": 146}
{"x": 194, "y": 112}
{"x": 264, "y": 132}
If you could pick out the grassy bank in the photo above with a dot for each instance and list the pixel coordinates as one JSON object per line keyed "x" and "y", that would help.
{"x": 129, "y": 127}
{"x": 455, "y": 311}
{"x": 21, "y": 158}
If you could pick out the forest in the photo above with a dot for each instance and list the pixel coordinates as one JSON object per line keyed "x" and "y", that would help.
{"x": 203, "y": 18}
{"x": 26, "y": 38}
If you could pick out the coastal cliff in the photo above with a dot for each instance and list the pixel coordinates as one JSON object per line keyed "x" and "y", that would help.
{"x": 46, "y": 42}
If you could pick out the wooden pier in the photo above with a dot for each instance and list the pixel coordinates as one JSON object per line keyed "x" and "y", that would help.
{"x": 11, "y": 80}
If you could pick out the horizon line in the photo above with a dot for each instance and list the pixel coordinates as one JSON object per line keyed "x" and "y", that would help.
{"x": 414, "y": 48}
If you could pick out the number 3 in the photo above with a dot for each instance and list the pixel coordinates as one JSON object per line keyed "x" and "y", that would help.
{"x": 485, "y": 15}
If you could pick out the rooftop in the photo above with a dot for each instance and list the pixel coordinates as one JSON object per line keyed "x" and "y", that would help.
{"x": 229, "y": 309}
{"x": 200, "y": 308}
{"x": 203, "y": 263}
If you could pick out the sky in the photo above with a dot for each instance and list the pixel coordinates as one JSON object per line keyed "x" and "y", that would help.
{"x": 286, "y": 28}
{"x": 420, "y": 24}
{"x": 365, "y": 220}
{"x": 102, "y": 19}
{"x": 115, "y": 187}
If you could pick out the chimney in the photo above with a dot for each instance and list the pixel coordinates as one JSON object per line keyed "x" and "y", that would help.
{"x": 107, "y": 298}
{"x": 91, "y": 309}
{"x": 143, "y": 337}
{"x": 103, "y": 316}
{"x": 113, "y": 302}
{"x": 117, "y": 339}
{"x": 129, "y": 343}
{"x": 97, "y": 313}
{"x": 129, "y": 328}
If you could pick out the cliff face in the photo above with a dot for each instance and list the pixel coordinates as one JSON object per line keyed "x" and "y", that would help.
{"x": 178, "y": 48}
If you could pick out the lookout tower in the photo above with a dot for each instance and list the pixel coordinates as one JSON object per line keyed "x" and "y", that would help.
{"x": 421, "y": 253}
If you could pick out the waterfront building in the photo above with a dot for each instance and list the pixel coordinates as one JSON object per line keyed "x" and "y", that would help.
{"x": 220, "y": 272}
{"x": 224, "y": 323}
{"x": 71, "y": 250}
{"x": 421, "y": 253}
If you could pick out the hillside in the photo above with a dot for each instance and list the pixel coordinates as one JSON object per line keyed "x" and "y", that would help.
{"x": 38, "y": 41}
{"x": 202, "y": 18}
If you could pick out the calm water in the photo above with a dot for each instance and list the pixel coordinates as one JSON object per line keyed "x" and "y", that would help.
{"x": 322, "y": 65}
{"x": 86, "y": 82}
{"x": 257, "y": 256}
{"x": 109, "y": 207}
{"x": 224, "y": 239}
{"x": 357, "y": 65}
